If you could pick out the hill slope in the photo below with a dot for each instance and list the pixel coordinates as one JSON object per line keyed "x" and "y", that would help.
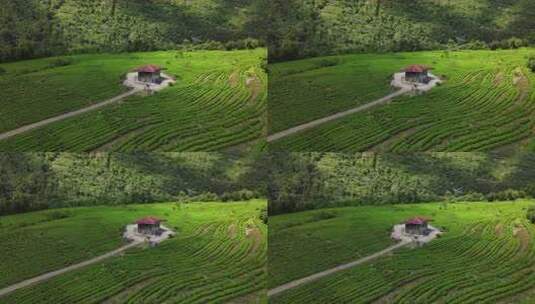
{"x": 314, "y": 180}
{"x": 484, "y": 256}
{"x": 334, "y": 26}
{"x": 217, "y": 255}
{"x": 40, "y": 28}
{"x": 48, "y": 180}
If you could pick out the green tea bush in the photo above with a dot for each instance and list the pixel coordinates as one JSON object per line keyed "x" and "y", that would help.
{"x": 264, "y": 215}
{"x": 531, "y": 214}
{"x": 506, "y": 195}
{"x": 531, "y": 63}
{"x": 58, "y": 215}
{"x": 59, "y": 62}
{"x": 323, "y": 215}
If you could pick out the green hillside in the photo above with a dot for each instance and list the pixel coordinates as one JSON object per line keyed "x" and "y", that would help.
{"x": 315, "y": 27}
{"x": 218, "y": 255}
{"x": 42, "y": 28}
{"x": 218, "y": 101}
{"x": 300, "y": 181}
{"x": 486, "y": 102}
{"x": 484, "y": 256}
{"x": 34, "y": 181}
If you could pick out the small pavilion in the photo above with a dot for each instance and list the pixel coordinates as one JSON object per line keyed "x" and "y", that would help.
{"x": 149, "y": 73}
{"x": 417, "y": 73}
{"x": 149, "y": 225}
{"x": 417, "y": 225}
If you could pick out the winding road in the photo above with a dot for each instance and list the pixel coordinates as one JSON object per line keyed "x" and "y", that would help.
{"x": 55, "y": 273}
{"x": 48, "y": 121}
{"x": 319, "y": 275}
{"x": 336, "y": 116}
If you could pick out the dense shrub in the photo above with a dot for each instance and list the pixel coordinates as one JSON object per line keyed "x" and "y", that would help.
{"x": 242, "y": 195}
{"x": 468, "y": 197}
{"x": 327, "y": 62}
{"x": 206, "y": 197}
{"x": 2, "y": 71}
{"x": 531, "y": 63}
{"x": 515, "y": 43}
{"x": 506, "y": 195}
{"x": 323, "y": 215}
{"x": 511, "y": 43}
{"x": 59, "y": 62}
{"x": 475, "y": 45}
{"x": 263, "y": 215}
{"x": 58, "y": 214}
{"x": 531, "y": 214}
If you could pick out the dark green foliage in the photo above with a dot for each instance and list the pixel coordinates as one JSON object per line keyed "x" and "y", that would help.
{"x": 300, "y": 181}
{"x": 304, "y": 28}
{"x": 327, "y": 62}
{"x": 264, "y": 215}
{"x": 323, "y": 215}
{"x": 506, "y": 195}
{"x": 242, "y": 195}
{"x": 531, "y": 214}
{"x": 59, "y": 62}
{"x": 2, "y": 71}
{"x": 58, "y": 215}
{"x": 51, "y": 180}
{"x": 531, "y": 63}
{"x": 36, "y": 28}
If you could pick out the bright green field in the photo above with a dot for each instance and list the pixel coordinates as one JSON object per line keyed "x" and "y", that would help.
{"x": 211, "y": 259}
{"x": 219, "y": 101}
{"x": 487, "y": 102}
{"x": 485, "y": 256}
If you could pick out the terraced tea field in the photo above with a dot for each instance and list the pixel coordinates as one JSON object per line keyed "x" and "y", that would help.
{"x": 487, "y": 102}
{"x": 219, "y": 101}
{"x": 486, "y": 255}
{"x": 218, "y": 255}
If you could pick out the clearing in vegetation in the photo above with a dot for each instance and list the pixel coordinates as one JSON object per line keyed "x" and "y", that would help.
{"x": 202, "y": 263}
{"x": 204, "y": 110}
{"x": 486, "y": 102}
{"x": 484, "y": 256}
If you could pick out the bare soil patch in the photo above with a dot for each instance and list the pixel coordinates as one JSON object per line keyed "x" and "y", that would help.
{"x": 523, "y": 236}
{"x": 234, "y": 79}
{"x": 498, "y": 79}
{"x": 255, "y": 235}
{"x": 522, "y": 83}
{"x": 232, "y": 231}
{"x": 255, "y": 86}
{"x": 498, "y": 230}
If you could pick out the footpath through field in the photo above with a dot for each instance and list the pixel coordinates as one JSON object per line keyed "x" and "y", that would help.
{"x": 52, "y": 274}
{"x": 336, "y": 116}
{"x": 319, "y": 275}
{"x": 47, "y": 121}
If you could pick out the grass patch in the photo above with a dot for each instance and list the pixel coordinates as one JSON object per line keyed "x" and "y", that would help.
{"x": 484, "y": 256}
{"x": 484, "y": 103}
{"x": 202, "y": 111}
{"x": 201, "y": 260}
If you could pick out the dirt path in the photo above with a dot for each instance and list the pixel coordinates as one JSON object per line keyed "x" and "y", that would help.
{"x": 52, "y": 274}
{"x": 48, "y": 121}
{"x": 319, "y": 275}
{"x": 336, "y": 116}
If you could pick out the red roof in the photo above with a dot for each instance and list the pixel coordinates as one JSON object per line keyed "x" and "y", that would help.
{"x": 416, "y": 68}
{"x": 150, "y": 68}
{"x": 149, "y": 220}
{"x": 417, "y": 221}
